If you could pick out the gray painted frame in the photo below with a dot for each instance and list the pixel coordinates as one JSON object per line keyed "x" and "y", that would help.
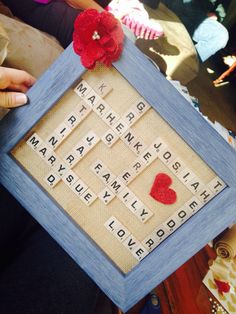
{"x": 124, "y": 290}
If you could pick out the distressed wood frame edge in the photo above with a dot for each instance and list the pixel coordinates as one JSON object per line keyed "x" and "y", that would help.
{"x": 125, "y": 291}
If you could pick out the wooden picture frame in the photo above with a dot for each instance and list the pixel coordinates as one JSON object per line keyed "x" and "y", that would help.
{"x": 124, "y": 289}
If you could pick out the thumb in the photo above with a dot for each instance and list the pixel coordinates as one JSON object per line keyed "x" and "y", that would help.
{"x": 12, "y": 99}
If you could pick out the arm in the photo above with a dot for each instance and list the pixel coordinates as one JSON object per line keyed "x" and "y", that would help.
{"x": 84, "y": 4}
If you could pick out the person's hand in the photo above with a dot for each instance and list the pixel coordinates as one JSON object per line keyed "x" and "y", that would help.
{"x": 13, "y": 86}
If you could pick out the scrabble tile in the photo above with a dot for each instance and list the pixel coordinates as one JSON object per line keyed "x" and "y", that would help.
{"x": 72, "y": 120}
{"x": 160, "y": 233}
{"x": 91, "y": 139}
{"x": 131, "y": 116}
{"x": 101, "y": 108}
{"x": 71, "y": 159}
{"x": 172, "y": 223}
{"x": 176, "y": 165}
{"x": 112, "y": 224}
{"x": 88, "y": 197}
{"x": 134, "y": 205}
{"x": 107, "y": 176}
{"x": 121, "y": 232}
{"x": 60, "y": 168}
{"x": 186, "y": 175}
{"x": 216, "y": 185}
{"x": 116, "y": 186}
{"x": 34, "y": 141}
{"x": 43, "y": 150}
{"x": 125, "y": 195}
{"x": 103, "y": 88}
{"x": 195, "y": 185}
{"x": 82, "y": 110}
{"x": 52, "y": 179}
{"x": 131, "y": 243}
{"x": 51, "y": 159}
{"x": 109, "y": 138}
{"x": 97, "y": 167}
{"x": 106, "y": 196}
{"x": 138, "y": 165}
{"x": 129, "y": 137}
{"x": 53, "y": 140}
{"x": 167, "y": 156}
{"x": 183, "y": 214}
{"x": 139, "y": 252}
{"x": 148, "y": 156}
{"x": 126, "y": 176}
{"x": 120, "y": 127}
{"x": 143, "y": 214}
{"x": 205, "y": 195}
{"x": 79, "y": 187}
{"x": 193, "y": 205}
{"x": 111, "y": 117}
{"x": 159, "y": 145}
{"x": 82, "y": 89}
{"x": 138, "y": 147}
{"x": 63, "y": 130}
{"x": 70, "y": 178}
{"x": 92, "y": 99}
{"x": 80, "y": 149}
{"x": 141, "y": 106}
{"x": 150, "y": 242}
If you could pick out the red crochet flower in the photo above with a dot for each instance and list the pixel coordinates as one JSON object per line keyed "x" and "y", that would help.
{"x": 97, "y": 37}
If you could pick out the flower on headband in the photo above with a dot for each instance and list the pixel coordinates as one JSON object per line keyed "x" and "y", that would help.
{"x": 97, "y": 37}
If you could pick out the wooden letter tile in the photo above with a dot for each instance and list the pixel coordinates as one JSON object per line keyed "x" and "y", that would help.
{"x": 60, "y": 168}
{"x": 107, "y": 176}
{"x": 129, "y": 137}
{"x": 167, "y": 156}
{"x": 176, "y": 165}
{"x": 160, "y": 233}
{"x": 138, "y": 165}
{"x": 172, "y": 223}
{"x": 63, "y": 130}
{"x": 126, "y": 195}
{"x": 52, "y": 179}
{"x": 183, "y": 214}
{"x": 80, "y": 149}
{"x": 121, "y": 233}
{"x": 159, "y": 145}
{"x": 186, "y": 175}
{"x": 106, "y": 196}
{"x": 71, "y": 159}
{"x": 116, "y": 186}
{"x": 52, "y": 159}
{"x": 91, "y": 139}
{"x": 53, "y": 140}
{"x": 34, "y": 141}
{"x": 103, "y": 88}
{"x": 216, "y": 185}
{"x": 72, "y": 120}
{"x": 82, "y": 110}
{"x": 120, "y": 127}
{"x": 138, "y": 147}
{"x": 148, "y": 156}
{"x": 92, "y": 98}
{"x": 131, "y": 242}
{"x": 195, "y": 185}
{"x": 82, "y": 89}
{"x": 79, "y": 187}
{"x": 139, "y": 252}
{"x": 101, "y": 108}
{"x": 112, "y": 224}
{"x": 109, "y": 138}
{"x": 205, "y": 195}
{"x": 141, "y": 106}
{"x": 88, "y": 197}
{"x": 193, "y": 205}
{"x": 143, "y": 214}
{"x": 135, "y": 205}
{"x": 151, "y": 242}
{"x": 127, "y": 176}
{"x": 111, "y": 117}
{"x": 97, "y": 167}
{"x": 70, "y": 178}
{"x": 131, "y": 116}
{"x": 43, "y": 150}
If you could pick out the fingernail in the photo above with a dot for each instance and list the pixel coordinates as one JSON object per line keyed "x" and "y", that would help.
{"x": 21, "y": 99}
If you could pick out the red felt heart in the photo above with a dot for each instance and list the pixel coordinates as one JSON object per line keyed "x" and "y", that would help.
{"x": 223, "y": 287}
{"x": 160, "y": 189}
